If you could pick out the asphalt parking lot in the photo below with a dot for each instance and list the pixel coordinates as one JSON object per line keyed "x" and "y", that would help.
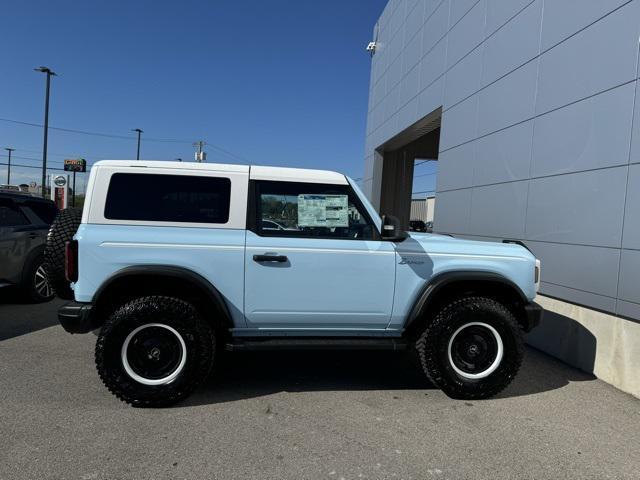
{"x": 300, "y": 415}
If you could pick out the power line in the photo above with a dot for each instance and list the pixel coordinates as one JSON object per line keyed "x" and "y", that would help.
{"x": 70, "y": 130}
{"x": 425, "y": 175}
{"x": 231, "y": 154}
{"x": 65, "y": 155}
{"x": 97, "y": 157}
{"x": 29, "y": 158}
{"x": 166, "y": 140}
{"x": 423, "y": 191}
{"x": 424, "y": 161}
{"x": 21, "y": 158}
{"x": 124, "y": 137}
{"x": 31, "y": 166}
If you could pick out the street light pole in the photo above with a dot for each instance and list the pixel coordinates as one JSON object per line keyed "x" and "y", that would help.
{"x": 138, "y": 131}
{"x": 9, "y": 165}
{"x": 49, "y": 73}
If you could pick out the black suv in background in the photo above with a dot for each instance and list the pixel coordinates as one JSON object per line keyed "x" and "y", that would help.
{"x": 417, "y": 226}
{"x": 420, "y": 226}
{"x": 24, "y": 224}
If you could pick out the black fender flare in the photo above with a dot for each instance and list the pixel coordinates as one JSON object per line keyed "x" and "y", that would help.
{"x": 434, "y": 285}
{"x": 171, "y": 271}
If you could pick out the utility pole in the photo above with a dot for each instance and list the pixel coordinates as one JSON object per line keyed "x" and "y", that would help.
{"x": 49, "y": 73}
{"x": 9, "y": 165}
{"x": 138, "y": 131}
{"x": 200, "y": 155}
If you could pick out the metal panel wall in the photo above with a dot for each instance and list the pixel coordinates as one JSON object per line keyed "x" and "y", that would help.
{"x": 540, "y": 135}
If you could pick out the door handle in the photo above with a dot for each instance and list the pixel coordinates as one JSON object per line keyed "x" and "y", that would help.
{"x": 270, "y": 258}
{"x": 33, "y": 235}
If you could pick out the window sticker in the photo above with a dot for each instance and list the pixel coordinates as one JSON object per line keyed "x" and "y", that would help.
{"x": 323, "y": 210}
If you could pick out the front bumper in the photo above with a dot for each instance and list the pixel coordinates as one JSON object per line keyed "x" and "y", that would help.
{"x": 533, "y": 315}
{"x": 76, "y": 317}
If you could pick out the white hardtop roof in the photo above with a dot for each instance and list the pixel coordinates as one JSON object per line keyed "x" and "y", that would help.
{"x": 297, "y": 175}
{"x": 218, "y": 167}
{"x": 256, "y": 172}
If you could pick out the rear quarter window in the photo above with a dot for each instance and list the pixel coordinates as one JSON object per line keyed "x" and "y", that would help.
{"x": 168, "y": 198}
{"x": 44, "y": 210}
{"x": 10, "y": 215}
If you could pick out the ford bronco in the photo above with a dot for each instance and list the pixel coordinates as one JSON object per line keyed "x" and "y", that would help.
{"x": 171, "y": 262}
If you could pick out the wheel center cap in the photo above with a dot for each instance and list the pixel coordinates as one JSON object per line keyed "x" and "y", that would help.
{"x": 154, "y": 354}
{"x": 474, "y": 350}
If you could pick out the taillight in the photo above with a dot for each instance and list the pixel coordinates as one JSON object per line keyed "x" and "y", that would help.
{"x": 71, "y": 261}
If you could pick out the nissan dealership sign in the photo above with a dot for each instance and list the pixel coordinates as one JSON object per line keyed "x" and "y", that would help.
{"x": 60, "y": 190}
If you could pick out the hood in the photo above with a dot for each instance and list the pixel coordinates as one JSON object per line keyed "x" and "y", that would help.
{"x": 436, "y": 243}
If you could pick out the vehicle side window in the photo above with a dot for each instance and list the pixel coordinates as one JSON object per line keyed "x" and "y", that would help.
{"x": 310, "y": 210}
{"x": 10, "y": 215}
{"x": 44, "y": 210}
{"x": 168, "y": 198}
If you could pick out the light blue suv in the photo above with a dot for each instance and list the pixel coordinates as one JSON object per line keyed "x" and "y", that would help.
{"x": 171, "y": 262}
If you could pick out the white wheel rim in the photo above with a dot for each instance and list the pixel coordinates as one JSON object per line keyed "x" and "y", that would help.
{"x": 496, "y": 362}
{"x": 153, "y": 381}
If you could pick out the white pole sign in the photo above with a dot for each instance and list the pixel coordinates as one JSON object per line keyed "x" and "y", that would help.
{"x": 60, "y": 190}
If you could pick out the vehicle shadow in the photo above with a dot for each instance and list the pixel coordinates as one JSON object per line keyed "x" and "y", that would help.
{"x": 12, "y": 296}
{"x": 19, "y": 317}
{"x": 242, "y": 375}
{"x": 557, "y": 336}
{"x": 541, "y": 373}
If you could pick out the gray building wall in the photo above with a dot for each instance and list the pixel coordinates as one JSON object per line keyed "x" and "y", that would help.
{"x": 537, "y": 129}
{"x": 540, "y": 130}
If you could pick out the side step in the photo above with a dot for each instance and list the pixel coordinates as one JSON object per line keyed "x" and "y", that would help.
{"x": 241, "y": 344}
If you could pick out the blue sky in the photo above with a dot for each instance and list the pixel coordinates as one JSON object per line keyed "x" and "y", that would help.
{"x": 273, "y": 82}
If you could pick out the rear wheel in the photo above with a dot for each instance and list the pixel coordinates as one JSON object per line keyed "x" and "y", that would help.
{"x": 35, "y": 284}
{"x": 154, "y": 351}
{"x": 62, "y": 230}
{"x": 472, "y": 348}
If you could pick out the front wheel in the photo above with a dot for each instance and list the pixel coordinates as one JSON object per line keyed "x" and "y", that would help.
{"x": 154, "y": 351}
{"x": 472, "y": 348}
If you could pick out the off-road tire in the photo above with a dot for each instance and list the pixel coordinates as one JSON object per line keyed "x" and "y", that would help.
{"x": 62, "y": 230}
{"x": 32, "y": 288}
{"x": 433, "y": 347}
{"x": 199, "y": 339}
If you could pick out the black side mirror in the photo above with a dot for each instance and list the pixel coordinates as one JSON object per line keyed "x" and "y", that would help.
{"x": 391, "y": 229}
